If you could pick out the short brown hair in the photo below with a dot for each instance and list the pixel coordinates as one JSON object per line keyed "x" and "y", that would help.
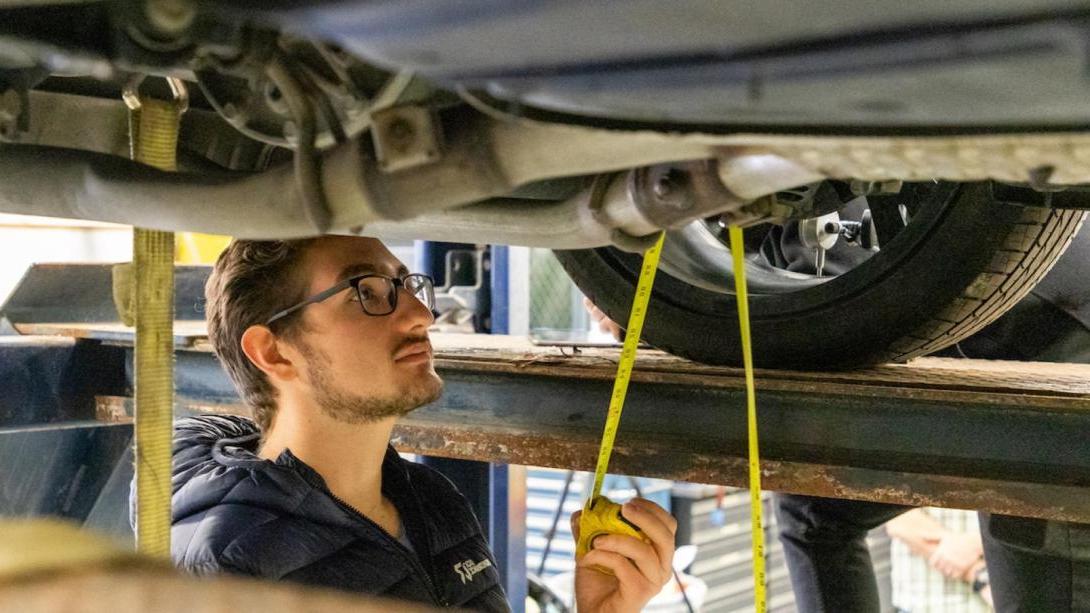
{"x": 252, "y": 281}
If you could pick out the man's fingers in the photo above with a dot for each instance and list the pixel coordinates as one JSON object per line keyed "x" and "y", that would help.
{"x": 942, "y": 565}
{"x": 936, "y": 563}
{"x": 656, "y": 511}
{"x": 627, "y": 575}
{"x": 657, "y": 524}
{"x": 593, "y": 309}
{"x": 605, "y": 324}
{"x": 644, "y": 556}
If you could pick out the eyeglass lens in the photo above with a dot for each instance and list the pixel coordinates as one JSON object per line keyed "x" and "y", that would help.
{"x": 378, "y": 295}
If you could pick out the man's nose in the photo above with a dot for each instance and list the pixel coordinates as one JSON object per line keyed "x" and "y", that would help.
{"x": 413, "y": 310}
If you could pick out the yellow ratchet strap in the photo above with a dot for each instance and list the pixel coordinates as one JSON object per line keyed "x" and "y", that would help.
{"x": 154, "y": 137}
{"x": 737, "y": 250}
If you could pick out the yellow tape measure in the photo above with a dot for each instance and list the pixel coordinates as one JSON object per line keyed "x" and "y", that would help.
{"x": 601, "y": 516}
{"x": 738, "y": 255}
{"x": 628, "y": 358}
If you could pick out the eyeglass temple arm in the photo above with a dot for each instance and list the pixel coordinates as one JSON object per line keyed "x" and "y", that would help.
{"x": 320, "y": 296}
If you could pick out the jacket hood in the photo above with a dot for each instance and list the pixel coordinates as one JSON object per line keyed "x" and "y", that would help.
{"x": 215, "y": 462}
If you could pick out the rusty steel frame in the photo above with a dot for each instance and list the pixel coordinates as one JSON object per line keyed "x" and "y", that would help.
{"x": 1001, "y": 437}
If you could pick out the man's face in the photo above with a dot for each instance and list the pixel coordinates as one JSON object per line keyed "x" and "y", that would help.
{"x": 359, "y": 367}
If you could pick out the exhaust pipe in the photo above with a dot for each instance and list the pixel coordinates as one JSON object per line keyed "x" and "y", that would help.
{"x": 626, "y": 210}
{"x": 621, "y": 209}
{"x": 461, "y": 196}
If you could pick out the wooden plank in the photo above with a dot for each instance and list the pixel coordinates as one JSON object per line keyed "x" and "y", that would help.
{"x": 187, "y": 333}
{"x": 502, "y": 353}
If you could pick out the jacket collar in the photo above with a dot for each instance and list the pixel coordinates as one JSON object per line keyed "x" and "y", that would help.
{"x": 218, "y": 452}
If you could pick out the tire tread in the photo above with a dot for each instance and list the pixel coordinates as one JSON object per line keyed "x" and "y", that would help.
{"x": 1032, "y": 248}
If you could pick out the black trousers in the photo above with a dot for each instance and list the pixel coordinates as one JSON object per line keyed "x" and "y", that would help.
{"x": 1034, "y": 565}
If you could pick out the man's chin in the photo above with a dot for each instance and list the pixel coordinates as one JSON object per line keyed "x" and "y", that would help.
{"x": 425, "y": 392}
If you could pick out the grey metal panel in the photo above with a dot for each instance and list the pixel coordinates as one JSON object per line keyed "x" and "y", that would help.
{"x": 721, "y": 529}
{"x": 110, "y": 513}
{"x": 50, "y": 293}
{"x": 49, "y": 380}
{"x": 846, "y": 64}
{"x": 58, "y": 470}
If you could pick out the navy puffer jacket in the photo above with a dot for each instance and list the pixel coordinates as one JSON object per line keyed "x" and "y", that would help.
{"x": 235, "y": 512}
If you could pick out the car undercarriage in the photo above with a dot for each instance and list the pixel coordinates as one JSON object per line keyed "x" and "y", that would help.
{"x": 930, "y": 160}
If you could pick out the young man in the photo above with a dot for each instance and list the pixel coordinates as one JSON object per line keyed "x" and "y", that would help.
{"x": 327, "y": 342}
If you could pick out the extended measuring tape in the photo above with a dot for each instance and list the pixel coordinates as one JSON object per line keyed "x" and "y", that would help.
{"x": 602, "y": 516}
{"x": 738, "y": 255}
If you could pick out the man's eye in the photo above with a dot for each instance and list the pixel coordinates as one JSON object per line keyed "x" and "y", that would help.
{"x": 364, "y": 294}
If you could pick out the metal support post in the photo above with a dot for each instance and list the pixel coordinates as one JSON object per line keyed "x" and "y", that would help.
{"x": 497, "y": 492}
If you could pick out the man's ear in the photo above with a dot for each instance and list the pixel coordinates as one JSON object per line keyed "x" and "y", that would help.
{"x": 262, "y": 347}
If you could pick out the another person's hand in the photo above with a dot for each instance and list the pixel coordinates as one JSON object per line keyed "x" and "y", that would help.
{"x": 640, "y": 570}
{"x": 981, "y": 585}
{"x": 958, "y": 555}
{"x": 605, "y": 324}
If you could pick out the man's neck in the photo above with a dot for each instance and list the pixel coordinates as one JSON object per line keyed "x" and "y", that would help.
{"x": 347, "y": 456}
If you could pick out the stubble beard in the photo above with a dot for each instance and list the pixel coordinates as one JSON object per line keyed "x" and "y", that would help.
{"x": 350, "y": 408}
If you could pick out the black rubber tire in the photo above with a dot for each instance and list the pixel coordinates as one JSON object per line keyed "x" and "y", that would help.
{"x": 964, "y": 260}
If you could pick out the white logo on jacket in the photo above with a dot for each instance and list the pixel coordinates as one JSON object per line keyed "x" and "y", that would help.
{"x": 468, "y": 569}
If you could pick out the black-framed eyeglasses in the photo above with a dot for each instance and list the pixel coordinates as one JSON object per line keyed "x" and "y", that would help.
{"x": 377, "y": 294}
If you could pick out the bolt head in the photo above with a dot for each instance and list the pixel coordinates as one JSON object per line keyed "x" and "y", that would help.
{"x": 663, "y": 187}
{"x": 291, "y": 132}
{"x": 171, "y": 17}
{"x": 400, "y": 131}
{"x": 668, "y": 189}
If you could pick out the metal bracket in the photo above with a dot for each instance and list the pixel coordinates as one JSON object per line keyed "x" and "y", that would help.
{"x": 406, "y": 137}
{"x": 1062, "y": 198}
{"x": 14, "y": 114}
{"x": 459, "y": 300}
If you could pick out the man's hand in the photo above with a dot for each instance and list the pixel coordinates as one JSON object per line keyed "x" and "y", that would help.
{"x": 605, "y": 324}
{"x": 958, "y": 555}
{"x": 640, "y": 569}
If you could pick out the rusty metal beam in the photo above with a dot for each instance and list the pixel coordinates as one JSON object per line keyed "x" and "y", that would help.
{"x": 1003, "y": 437}
{"x": 657, "y": 457}
{"x": 653, "y": 458}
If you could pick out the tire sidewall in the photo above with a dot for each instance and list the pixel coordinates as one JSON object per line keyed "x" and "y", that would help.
{"x": 850, "y": 320}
